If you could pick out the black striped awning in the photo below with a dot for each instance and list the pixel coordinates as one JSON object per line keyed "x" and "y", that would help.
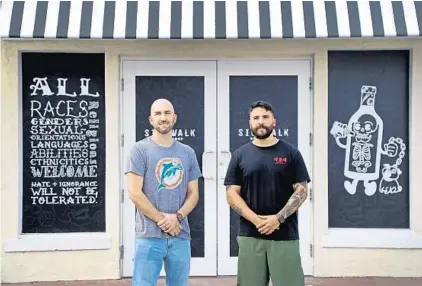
{"x": 208, "y": 19}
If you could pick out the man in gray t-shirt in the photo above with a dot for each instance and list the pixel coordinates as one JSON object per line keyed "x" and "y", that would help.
{"x": 162, "y": 176}
{"x": 166, "y": 172}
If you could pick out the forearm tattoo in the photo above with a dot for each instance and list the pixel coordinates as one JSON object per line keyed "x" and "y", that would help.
{"x": 237, "y": 209}
{"x": 299, "y": 196}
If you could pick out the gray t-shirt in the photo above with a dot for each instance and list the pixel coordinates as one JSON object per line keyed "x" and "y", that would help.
{"x": 166, "y": 172}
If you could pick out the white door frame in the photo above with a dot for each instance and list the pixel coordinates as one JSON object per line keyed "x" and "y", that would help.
{"x": 206, "y": 266}
{"x": 302, "y": 68}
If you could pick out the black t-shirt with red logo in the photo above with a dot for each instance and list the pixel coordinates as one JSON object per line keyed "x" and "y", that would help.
{"x": 266, "y": 176}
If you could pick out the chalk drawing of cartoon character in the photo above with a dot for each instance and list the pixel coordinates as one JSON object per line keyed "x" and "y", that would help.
{"x": 363, "y": 146}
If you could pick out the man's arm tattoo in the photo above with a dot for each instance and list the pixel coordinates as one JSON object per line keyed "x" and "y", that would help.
{"x": 233, "y": 206}
{"x": 237, "y": 209}
{"x": 299, "y": 196}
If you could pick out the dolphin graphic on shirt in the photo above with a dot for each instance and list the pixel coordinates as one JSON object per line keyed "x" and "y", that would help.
{"x": 168, "y": 170}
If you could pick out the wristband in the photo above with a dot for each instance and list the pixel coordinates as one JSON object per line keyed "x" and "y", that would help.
{"x": 180, "y": 216}
{"x": 280, "y": 218}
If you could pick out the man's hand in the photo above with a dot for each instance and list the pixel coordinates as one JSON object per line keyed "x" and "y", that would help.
{"x": 170, "y": 224}
{"x": 257, "y": 220}
{"x": 268, "y": 224}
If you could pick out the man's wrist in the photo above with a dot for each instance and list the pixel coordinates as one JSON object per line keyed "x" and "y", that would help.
{"x": 160, "y": 216}
{"x": 256, "y": 220}
{"x": 280, "y": 218}
{"x": 180, "y": 216}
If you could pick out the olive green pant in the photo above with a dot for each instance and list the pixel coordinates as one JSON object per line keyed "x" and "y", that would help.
{"x": 260, "y": 259}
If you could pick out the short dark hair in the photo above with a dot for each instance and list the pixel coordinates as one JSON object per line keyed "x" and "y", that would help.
{"x": 262, "y": 104}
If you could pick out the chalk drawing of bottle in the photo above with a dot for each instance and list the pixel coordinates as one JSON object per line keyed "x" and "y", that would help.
{"x": 363, "y": 148}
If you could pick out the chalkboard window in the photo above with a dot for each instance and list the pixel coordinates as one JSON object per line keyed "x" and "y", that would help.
{"x": 63, "y": 142}
{"x": 368, "y": 114}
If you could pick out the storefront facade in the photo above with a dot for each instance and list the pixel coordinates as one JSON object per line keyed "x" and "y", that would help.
{"x": 75, "y": 95}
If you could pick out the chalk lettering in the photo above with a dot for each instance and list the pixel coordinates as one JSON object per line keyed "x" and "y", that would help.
{"x": 41, "y": 84}
{"x": 58, "y": 143}
{"x": 279, "y": 132}
{"x": 64, "y": 171}
{"x": 63, "y": 108}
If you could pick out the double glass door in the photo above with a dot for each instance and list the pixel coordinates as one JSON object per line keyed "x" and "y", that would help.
{"x": 212, "y": 99}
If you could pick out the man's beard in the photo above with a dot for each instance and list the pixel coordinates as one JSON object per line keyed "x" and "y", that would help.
{"x": 265, "y": 135}
{"x": 163, "y": 129}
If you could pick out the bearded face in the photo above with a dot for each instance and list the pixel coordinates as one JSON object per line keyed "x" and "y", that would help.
{"x": 163, "y": 125}
{"x": 262, "y": 123}
{"x": 261, "y": 131}
{"x": 162, "y": 117}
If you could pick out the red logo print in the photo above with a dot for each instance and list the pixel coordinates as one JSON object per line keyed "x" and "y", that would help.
{"x": 280, "y": 160}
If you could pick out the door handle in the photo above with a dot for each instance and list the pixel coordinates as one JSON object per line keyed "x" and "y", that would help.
{"x": 229, "y": 154}
{"x": 204, "y": 156}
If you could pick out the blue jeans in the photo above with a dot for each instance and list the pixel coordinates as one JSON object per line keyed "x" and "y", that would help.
{"x": 149, "y": 256}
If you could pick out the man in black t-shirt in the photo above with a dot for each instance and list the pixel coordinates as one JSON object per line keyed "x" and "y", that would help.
{"x": 266, "y": 183}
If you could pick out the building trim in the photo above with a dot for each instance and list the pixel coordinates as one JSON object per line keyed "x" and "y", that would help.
{"x": 57, "y": 242}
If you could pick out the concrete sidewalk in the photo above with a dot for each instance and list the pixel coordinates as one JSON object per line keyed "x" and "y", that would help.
{"x": 231, "y": 281}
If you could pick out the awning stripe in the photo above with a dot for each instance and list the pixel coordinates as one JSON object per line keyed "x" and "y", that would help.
{"x": 388, "y": 19}
{"x": 242, "y": 20}
{"x": 75, "y": 15}
{"x": 198, "y": 20}
{"x": 63, "y": 24}
{"x": 331, "y": 14}
{"x": 309, "y": 16}
{"x": 119, "y": 28}
{"x": 286, "y": 18}
{"x": 354, "y": 19}
{"x": 418, "y": 8}
{"x": 187, "y": 23}
{"x": 342, "y": 19}
{"x": 28, "y": 19}
{"x": 320, "y": 19}
{"x": 253, "y": 19}
{"x": 398, "y": 12}
{"x": 164, "y": 19}
{"x": 16, "y": 21}
{"x": 176, "y": 20}
{"x": 264, "y": 20}
{"x": 220, "y": 20}
{"x": 40, "y": 19}
{"x": 298, "y": 19}
{"x": 52, "y": 20}
{"x": 153, "y": 20}
{"x": 376, "y": 15}
{"x": 97, "y": 19}
{"x": 411, "y": 19}
{"x": 231, "y": 31}
{"x": 209, "y": 19}
{"x": 366, "y": 27}
{"x": 108, "y": 25}
{"x": 86, "y": 20}
{"x": 131, "y": 13}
